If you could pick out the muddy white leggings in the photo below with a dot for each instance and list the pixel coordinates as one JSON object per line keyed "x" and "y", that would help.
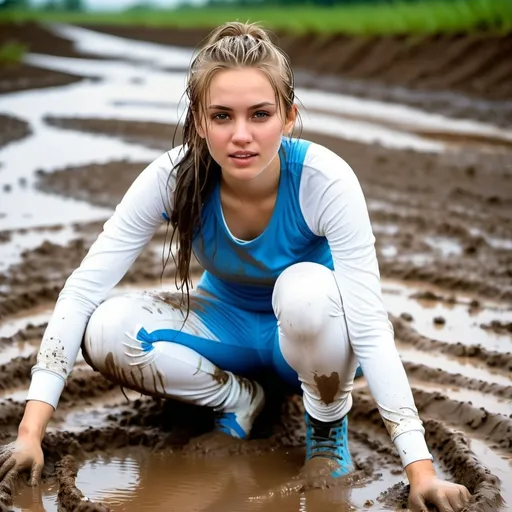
{"x": 144, "y": 342}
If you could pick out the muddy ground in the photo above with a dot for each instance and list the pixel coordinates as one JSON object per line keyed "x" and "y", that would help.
{"x": 443, "y": 225}
{"x": 467, "y": 76}
{"x": 459, "y": 75}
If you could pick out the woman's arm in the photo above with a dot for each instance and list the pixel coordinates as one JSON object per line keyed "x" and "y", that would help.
{"x": 125, "y": 234}
{"x": 334, "y": 206}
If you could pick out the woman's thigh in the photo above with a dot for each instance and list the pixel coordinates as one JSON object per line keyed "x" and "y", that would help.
{"x": 223, "y": 334}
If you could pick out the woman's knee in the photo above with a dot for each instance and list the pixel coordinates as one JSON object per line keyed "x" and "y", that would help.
{"x": 305, "y": 295}
{"x": 114, "y": 324}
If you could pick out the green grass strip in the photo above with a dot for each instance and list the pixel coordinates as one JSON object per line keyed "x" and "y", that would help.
{"x": 398, "y": 17}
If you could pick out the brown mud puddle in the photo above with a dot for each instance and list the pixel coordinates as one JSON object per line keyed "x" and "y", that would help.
{"x": 138, "y": 480}
{"x": 443, "y": 226}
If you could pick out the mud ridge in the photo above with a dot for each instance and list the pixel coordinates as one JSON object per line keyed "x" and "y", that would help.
{"x": 493, "y": 427}
{"x": 16, "y": 372}
{"x": 29, "y": 332}
{"x": 498, "y": 327}
{"x": 427, "y": 373}
{"x": 22, "y": 77}
{"x": 13, "y": 129}
{"x": 70, "y": 497}
{"x": 11, "y": 413}
{"x": 147, "y": 133}
{"x": 36, "y": 39}
{"x": 386, "y": 451}
{"x": 465, "y": 467}
{"x": 405, "y": 333}
{"x": 40, "y": 276}
{"x": 83, "y": 385}
{"x": 16, "y": 302}
{"x": 434, "y": 275}
{"x": 451, "y": 449}
{"x": 67, "y": 181}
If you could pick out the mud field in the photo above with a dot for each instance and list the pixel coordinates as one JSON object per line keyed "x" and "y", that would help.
{"x": 439, "y": 191}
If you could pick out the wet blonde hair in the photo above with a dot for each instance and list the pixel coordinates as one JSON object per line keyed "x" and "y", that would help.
{"x": 230, "y": 46}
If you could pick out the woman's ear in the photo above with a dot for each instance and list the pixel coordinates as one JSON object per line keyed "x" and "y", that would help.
{"x": 291, "y": 117}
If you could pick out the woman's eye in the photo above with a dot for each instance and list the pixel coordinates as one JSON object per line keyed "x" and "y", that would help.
{"x": 220, "y": 117}
{"x": 261, "y": 115}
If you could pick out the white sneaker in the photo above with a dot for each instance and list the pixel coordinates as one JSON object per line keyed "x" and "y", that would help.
{"x": 237, "y": 421}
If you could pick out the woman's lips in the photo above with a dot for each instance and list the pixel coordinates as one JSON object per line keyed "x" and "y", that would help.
{"x": 243, "y": 159}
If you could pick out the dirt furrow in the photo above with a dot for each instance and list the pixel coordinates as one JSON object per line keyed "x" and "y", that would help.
{"x": 16, "y": 372}
{"x": 493, "y": 427}
{"x": 465, "y": 467}
{"x": 427, "y": 373}
{"x": 448, "y": 446}
{"x": 28, "y": 333}
{"x": 406, "y": 334}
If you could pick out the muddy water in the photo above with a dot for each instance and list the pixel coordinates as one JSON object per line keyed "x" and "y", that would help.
{"x": 138, "y": 480}
{"x": 133, "y": 453}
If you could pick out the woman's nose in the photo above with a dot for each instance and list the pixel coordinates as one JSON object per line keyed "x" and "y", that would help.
{"x": 242, "y": 132}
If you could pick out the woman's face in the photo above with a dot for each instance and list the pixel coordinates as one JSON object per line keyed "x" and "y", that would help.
{"x": 242, "y": 123}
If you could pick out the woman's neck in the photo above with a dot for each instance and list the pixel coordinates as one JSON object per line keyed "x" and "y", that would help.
{"x": 261, "y": 187}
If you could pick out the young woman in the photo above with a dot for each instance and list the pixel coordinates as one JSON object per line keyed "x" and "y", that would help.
{"x": 291, "y": 280}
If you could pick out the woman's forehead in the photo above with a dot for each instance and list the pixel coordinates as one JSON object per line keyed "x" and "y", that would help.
{"x": 247, "y": 86}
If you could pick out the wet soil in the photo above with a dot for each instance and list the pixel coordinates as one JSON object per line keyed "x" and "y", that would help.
{"x": 459, "y": 75}
{"x": 36, "y": 39}
{"x": 439, "y": 219}
{"x": 13, "y": 129}
{"x": 420, "y": 183}
{"x": 434, "y": 197}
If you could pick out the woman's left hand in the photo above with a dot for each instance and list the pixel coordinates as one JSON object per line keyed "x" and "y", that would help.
{"x": 446, "y": 496}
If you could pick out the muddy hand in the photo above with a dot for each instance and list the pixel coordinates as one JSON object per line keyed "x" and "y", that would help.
{"x": 21, "y": 455}
{"x": 446, "y": 496}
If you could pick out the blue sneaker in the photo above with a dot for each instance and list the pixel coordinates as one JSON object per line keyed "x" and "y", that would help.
{"x": 329, "y": 440}
{"x": 238, "y": 423}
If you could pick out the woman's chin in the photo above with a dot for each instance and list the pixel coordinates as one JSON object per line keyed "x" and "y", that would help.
{"x": 242, "y": 174}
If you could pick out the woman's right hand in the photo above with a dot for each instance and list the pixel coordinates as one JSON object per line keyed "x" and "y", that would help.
{"x": 24, "y": 454}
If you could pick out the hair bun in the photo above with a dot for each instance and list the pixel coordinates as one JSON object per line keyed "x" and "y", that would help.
{"x": 237, "y": 29}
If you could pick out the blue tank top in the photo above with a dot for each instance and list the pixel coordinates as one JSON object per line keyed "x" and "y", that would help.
{"x": 243, "y": 273}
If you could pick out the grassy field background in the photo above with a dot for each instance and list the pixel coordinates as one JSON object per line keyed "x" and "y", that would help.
{"x": 421, "y": 17}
